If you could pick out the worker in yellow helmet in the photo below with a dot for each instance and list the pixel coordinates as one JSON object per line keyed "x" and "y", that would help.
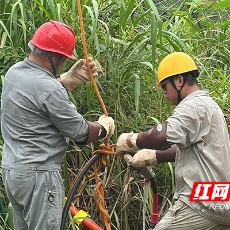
{"x": 178, "y": 64}
{"x": 196, "y": 137}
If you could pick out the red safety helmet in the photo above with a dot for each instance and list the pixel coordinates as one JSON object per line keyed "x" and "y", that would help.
{"x": 55, "y": 37}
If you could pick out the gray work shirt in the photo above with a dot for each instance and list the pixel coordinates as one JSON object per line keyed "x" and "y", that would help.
{"x": 199, "y": 129}
{"x": 37, "y": 119}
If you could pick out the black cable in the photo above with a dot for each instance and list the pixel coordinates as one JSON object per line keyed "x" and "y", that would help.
{"x": 77, "y": 183}
{"x": 75, "y": 187}
{"x": 153, "y": 185}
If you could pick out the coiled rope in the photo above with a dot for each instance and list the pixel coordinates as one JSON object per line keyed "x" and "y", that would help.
{"x": 104, "y": 149}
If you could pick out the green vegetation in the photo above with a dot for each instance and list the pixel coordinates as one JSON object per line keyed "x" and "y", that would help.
{"x": 129, "y": 38}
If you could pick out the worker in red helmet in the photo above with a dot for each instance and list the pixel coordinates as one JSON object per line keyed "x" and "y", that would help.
{"x": 37, "y": 122}
{"x": 196, "y": 138}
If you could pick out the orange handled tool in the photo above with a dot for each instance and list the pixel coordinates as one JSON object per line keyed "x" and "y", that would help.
{"x": 80, "y": 218}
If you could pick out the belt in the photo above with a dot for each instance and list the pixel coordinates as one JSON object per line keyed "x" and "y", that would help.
{"x": 33, "y": 167}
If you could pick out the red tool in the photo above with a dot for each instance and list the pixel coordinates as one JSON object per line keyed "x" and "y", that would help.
{"x": 86, "y": 222}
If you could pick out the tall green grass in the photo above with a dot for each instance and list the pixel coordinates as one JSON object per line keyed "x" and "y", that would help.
{"x": 129, "y": 38}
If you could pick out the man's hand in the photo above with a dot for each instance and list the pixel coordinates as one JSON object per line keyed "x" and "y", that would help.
{"x": 108, "y": 124}
{"x": 126, "y": 142}
{"x": 142, "y": 158}
{"x": 78, "y": 74}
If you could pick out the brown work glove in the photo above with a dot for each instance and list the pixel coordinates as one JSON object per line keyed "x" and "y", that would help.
{"x": 78, "y": 74}
{"x": 126, "y": 142}
{"x": 142, "y": 158}
{"x": 108, "y": 124}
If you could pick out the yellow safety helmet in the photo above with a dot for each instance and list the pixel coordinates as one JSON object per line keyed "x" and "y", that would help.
{"x": 173, "y": 64}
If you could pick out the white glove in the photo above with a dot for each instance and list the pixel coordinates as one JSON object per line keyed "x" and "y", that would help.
{"x": 108, "y": 124}
{"x": 126, "y": 142}
{"x": 78, "y": 74}
{"x": 142, "y": 158}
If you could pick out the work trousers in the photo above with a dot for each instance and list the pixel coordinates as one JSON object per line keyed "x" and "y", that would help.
{"x": 36, "y": 198}
{"x": 181, "y": 217}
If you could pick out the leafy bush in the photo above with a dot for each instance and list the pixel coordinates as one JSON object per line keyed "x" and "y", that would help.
{"x": 129, "y": 38}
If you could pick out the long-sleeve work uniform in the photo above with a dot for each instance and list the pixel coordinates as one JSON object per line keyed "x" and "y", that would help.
{"x": 199, "y": 129}
{"x": 37, "y": 121}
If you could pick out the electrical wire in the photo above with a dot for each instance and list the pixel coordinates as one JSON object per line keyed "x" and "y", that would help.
{"x": 75, "y": 186}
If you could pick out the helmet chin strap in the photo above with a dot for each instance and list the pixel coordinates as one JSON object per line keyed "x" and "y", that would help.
{"x": 178, "y": 91}
{"x": 52, "y": 63}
